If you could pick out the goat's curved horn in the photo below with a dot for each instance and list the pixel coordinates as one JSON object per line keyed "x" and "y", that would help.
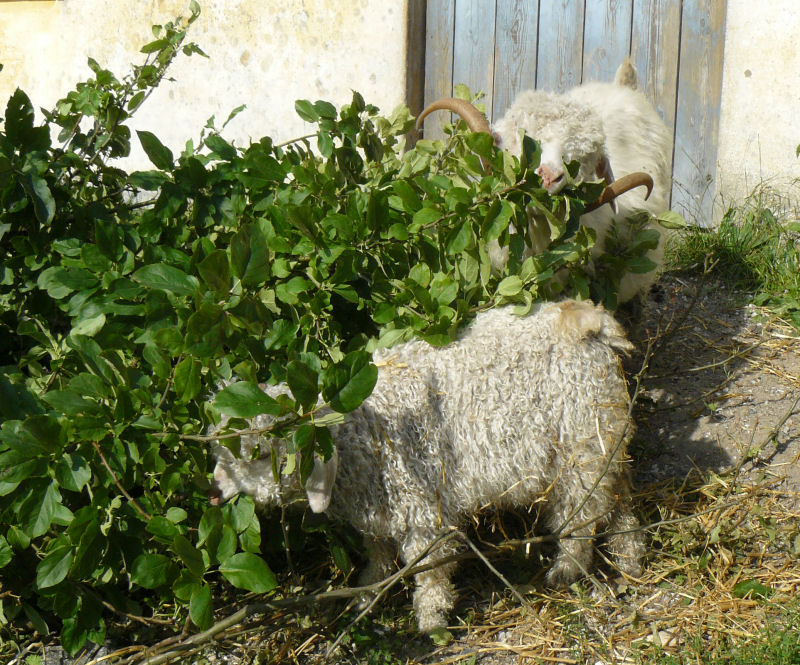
{"x": 625, "y": 183}
{"x": 475, "y": 120}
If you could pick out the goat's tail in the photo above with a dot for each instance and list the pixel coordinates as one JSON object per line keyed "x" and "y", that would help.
{"x": 583, "y": 319}
{"x": 626, "y": 74}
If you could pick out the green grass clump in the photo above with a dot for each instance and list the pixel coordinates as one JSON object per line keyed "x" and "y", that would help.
{"x": 752, "y": 249}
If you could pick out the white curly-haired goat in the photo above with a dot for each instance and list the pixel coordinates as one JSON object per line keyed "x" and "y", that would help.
{"x": 520, "y": 410}
{"x": 612, "y": 130}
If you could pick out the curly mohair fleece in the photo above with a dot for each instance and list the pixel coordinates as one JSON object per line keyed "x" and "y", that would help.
{"x": 518, "y": 410}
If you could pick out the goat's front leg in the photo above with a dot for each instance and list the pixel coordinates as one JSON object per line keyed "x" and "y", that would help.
{"x": 433, "y": 595}
{"x": 380, "y": 564}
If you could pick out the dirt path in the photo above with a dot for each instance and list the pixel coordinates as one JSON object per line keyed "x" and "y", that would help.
{"x": 722, "y": 380}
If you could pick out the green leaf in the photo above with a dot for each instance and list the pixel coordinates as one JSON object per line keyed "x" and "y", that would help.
{"x": 425, "y": 217}
{"x": 242, "y": 513}
{"x": 221, "y": 147}
{"x": 201, "y": 609}
{"x": 325, "y": 109}
{"x": 441, "y": 636}
{"x": 166, "y": 278}
{"x": 135, "y": 101}
{"x": 150, "y": 181}
{"x": 510, "y": 286}
{"x": 752, "y": 588}
{"x": 189, "y": 555}
{"x": 221, "y": 543}
{"x": 461, "y": 239}
{"x": 19, "y": 127}
{"x": 497, "y": 220}
{"x": 290, "y": 291}
{"x": 73, "y": 472}
{"x": 55, "y": 565}
{"x": 640, "y": 264}
{"x": 305, "y": 109}
{"x": 68, "y": 402}
{"x": 59, "y": 282}
{"x": 90, "y": 326}
{"x": 341, "y": 558}
{"x": 324, "y": 144}
{"x": 35, "y": 436}
{"x": 481, "y": 143}
{"x": 187, "y": 379}
{"x": 39, "y": 624}
{"x": 671, "y": 220}
{"x": 443, "y": 289}
{"x": 248, "y": 571}
{"x": 281, "y": 334}
{"x": 154, "y": 46}
{"x": 250, "y": 255}
{"x": 6, "y": 553}
{"x": 303, "y": 382}
{"x": 159, "y": 154}
{"x": 150, "y": 570}
{"x": 245, "y": 400}
{"x": 37, "y": 514}
{"x": 346, "y": 384}
{"x": 162, "y": 528}
{"x": 44, "y": 205}
{"x": 408, "y": 195}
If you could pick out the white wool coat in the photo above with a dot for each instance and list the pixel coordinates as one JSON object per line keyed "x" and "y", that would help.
{"x": 518, "y": 410}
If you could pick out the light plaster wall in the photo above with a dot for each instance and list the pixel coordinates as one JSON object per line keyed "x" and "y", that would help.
{"x": 760, "y": 119}
{"x": 262, "y": 53}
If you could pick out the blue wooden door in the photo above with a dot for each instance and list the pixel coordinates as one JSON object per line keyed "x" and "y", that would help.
{"x": 501, "y": 47}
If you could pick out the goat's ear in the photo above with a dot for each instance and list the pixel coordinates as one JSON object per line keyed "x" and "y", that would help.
{"x": 320, "y": 483}
{"x": 604, "y": 172}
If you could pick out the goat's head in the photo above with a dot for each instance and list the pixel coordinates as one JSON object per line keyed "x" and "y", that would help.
{"x": 254, "y": 476}
{"x": 566, "y": 131}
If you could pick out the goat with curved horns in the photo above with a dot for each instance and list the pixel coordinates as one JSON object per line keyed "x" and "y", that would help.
{"x": 609, "y": 128}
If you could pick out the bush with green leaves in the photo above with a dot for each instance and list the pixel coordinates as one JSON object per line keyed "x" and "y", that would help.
{"x": 135, "y": 308}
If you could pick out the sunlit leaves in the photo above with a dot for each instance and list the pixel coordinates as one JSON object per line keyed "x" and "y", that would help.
{"x": 140, "y": 309}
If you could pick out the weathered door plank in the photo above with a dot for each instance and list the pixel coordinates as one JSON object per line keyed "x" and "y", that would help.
{"x": 606, "y": 38}
{"x": 560, "y": 55}
{"x": 655, "y": 44}
{"x": 439, "y": 29}
{"x": 473, "y": 48}
{"x": 515, "y": 51}
{"x": 698, "y": 108}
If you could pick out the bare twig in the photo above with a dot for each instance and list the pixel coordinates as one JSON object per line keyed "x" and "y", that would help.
{"x": 496, "y": 572}
{"x": 389, "y": 582}
{"x": 132, "y": 501}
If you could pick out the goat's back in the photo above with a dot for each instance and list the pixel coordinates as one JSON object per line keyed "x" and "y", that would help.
{"x": 493, "y": 416}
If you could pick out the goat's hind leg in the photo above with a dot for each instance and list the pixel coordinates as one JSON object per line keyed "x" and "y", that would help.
{"x": 573, "y": 516}
{"x": 626, "y": 542}
{"x": 573, "y": 558}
